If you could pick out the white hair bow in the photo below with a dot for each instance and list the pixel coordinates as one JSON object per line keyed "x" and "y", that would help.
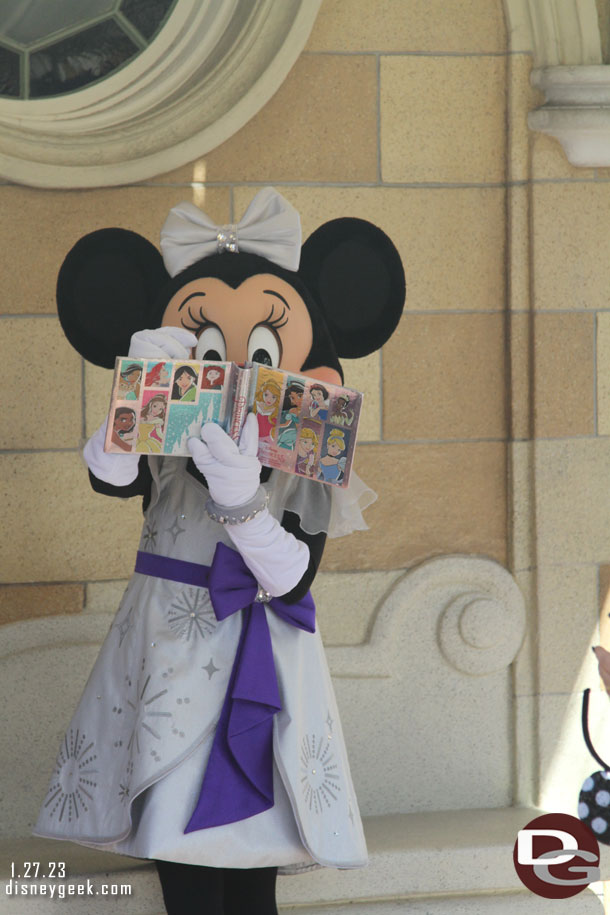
{"x": 270, "y": 227}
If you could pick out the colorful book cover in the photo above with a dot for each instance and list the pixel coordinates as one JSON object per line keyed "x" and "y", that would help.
{"x": 305, "y": 426}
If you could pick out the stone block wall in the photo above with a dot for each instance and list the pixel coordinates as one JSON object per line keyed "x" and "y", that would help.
{"x": 394, "y": 112}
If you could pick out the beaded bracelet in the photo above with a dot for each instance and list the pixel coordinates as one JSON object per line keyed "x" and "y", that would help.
{"x": 239, "y": 513}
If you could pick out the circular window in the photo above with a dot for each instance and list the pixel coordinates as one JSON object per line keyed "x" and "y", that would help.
{"x": 50, "y": 47}
{"x": 106, "y": 92}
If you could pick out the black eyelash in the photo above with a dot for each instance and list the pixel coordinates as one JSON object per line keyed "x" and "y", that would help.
{"x": 200, "y": 322}
{"x": 278, "y": 322}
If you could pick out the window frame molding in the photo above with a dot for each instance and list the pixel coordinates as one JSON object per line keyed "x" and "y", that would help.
{"x": 181, "y": 97}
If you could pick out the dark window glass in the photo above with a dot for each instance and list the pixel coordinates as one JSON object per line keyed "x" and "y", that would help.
{"x": 9, "y": 73}
{"x": 146, "y": 15}
{"x": 79, "y": 60}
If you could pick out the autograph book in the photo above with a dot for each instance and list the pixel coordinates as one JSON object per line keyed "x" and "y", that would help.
{"x": 305, "y": 426}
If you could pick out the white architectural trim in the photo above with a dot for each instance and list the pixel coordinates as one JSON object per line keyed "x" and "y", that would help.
{"x": 212, "y": 67}
{"x": 564, "y": 39}
{"x": 576, "y": 112}
{"x": 556, "y": 32}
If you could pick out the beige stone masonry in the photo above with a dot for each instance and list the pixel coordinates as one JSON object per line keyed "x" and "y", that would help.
{"x": 45, "y": 224}
{"x": 104, "y": 596}
{"x": 564, "y": 374}
{"x": 443, "y": 119}
{"x": 321, "y": 125}
{"x": 521, "y": 97}
{"x": 44, "y": 373}
{"x": 604, "y": 609}
{"x": 565, "y": 663}
{"x": 572, "y": 501}
{"x": 518, "y": 247}
{"x": 347, "y": 603}
{"x": 571, "y": 263}
{"x": 365, "y": 375}
{"x": 603, "y": 373}
{"x": 98, "y": 387}
{"x": 444, "y": 378}
{"x": 451, "y": 240}
{"x": 520, "y": 375}
{"x": 66, "y": 532}
{"x": 20, "y": 602}
{"x": 433, "y": 499}
{"x": 457, "y": 26}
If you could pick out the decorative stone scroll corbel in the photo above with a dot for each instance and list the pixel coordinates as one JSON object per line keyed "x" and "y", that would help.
{"x": 567, "y": 43}
{"x": 469, "y": 608}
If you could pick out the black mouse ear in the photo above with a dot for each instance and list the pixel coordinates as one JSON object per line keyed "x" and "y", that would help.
{"x": 105, "y": 292}
{"x": 355, "y": 274}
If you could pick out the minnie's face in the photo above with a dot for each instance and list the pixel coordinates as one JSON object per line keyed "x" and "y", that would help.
{"x": 264, "y": 320}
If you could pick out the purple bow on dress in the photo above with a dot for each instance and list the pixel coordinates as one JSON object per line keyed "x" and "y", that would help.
{"x": 238, "y": 782}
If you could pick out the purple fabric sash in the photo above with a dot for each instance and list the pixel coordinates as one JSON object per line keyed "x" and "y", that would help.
{"x": 238, "y": 781}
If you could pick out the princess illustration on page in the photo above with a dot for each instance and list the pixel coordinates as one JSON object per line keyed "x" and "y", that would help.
{"x": 158, "y": 375}
{"x": 306, "y": 451}
{"x": 185, "y": 384}
{"x": 332, "y": 464}
{"x": 123, "y": 425}
{"x": 129, "y": 385}
{"x": 318, "y": 406}
{"x": 152, "y": 422}
{"x": 213, "y": 378}
{"x": 289, "y": 419}
{"x": 267, "y": 407}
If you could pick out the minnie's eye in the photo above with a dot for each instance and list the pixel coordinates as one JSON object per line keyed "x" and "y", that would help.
{"x": 211, "y": 345}
{"x": 264, "y": 346}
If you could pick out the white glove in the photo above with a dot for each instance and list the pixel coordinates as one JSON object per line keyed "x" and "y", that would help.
{"x": 275, "y": 557}
{"x": 116, "y": 469}
{"x": 232, "y": 472}
{"x": 162, "y": 343}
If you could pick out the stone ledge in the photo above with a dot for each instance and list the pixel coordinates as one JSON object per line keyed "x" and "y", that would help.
{"x": 461, "y": 861}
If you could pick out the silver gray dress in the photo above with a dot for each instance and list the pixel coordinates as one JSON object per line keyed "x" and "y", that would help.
{"x": 130, "y": 767}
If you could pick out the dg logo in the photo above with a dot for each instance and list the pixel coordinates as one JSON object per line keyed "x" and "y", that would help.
{"x": 556, "y": 856}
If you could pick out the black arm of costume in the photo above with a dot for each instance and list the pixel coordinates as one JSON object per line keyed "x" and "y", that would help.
{"x": 141, "y": 486}
{"x": 316, "y": 543}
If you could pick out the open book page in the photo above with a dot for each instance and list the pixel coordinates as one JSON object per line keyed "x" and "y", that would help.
{"x": 305, "y": 427}
{"x": 157, "y": 406}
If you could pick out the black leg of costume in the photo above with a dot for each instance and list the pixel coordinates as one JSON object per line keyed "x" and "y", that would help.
{"x": 190, "y": 889}
{"x": 250, "y": 892}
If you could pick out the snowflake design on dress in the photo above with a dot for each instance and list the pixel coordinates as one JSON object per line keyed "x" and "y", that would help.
{"x": 150, "y": 536}
{"x": 72, "y": 783}
{"x": 191, "y": 615}
{"x": 125, "y": 625}
{"x": 143, "y": 702}
{"x": 319, "y": 778}
{"x": 125, "y": 787}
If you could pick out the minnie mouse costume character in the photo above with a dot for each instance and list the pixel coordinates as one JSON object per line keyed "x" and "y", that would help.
{"x": 207, "y": 737}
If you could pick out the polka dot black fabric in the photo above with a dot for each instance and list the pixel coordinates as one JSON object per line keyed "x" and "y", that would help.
{"x": 594, "y": 805}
